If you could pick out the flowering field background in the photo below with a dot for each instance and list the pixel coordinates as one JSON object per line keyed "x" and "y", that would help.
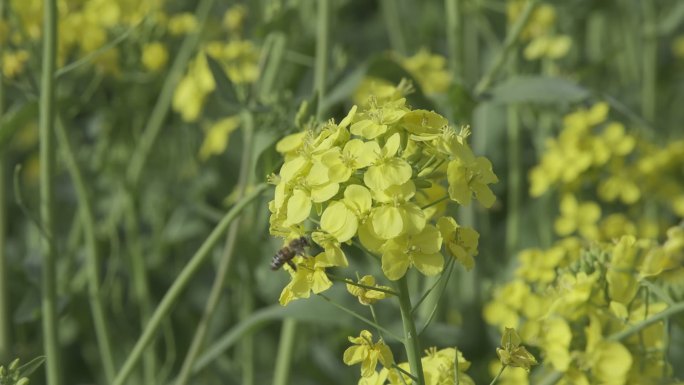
{"x": 341, "y": 192}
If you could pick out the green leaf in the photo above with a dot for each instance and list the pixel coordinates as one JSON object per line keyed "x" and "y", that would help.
{"x": 224, "y": 87}
{"x": 31, "y": 366}
{"x": 537, "y": 89}
{"x": 307, "y": 310}
{"x": 15, "y": 118}
{"x": 268, "y": 161}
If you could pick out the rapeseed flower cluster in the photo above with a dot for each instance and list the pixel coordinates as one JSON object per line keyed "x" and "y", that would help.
{"x": 237, "y": 57}
{"x": 380, "y": 178}
{"x": 539, "y": 33}
{"x": 597, "y": 155}
{"x": 570, "y": 301}
{"x": 83, "y": 26}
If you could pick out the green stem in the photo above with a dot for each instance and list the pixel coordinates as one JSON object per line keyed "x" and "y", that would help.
{"x": 390, "y": 11}
{"x": 362, "y": 318}
{"x": 320, "y": 70}
{"x": 514, "y": 201}
{"x": 161, "y": 108}
{"x": 649, "y": 57}
{"x": 511, "y": 39}
{"x": 180, "y": 283}
{"x": 454, "y": 34}
{"x": 226, "y": 259}
{"x": 5, "y": 321}
{"x": 503, "y": 367}
{"x": 285, "y": 347}
{"x": 47, "y": 173}
{"x": 411, "y": 343}
{"x": 93, "y": 260}
{"x": 247, "y": 341}
{"x": 140, "y": 284}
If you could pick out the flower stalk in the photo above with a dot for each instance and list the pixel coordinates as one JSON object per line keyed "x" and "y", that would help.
{"x": 411, "y": 342}
{"x": 47, "y": 171}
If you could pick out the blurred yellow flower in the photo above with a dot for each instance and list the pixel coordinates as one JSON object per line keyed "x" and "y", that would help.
{"x": 217, "y": 136}
{"x": 367, "y": 296}
{"x": 154, "y": 56}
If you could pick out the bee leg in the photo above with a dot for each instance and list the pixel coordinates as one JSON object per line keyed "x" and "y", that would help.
{"x": 292, "y": 265}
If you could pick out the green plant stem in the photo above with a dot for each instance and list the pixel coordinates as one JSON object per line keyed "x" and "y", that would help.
{"x": 46, "y": 124}
{"x": 495, "y": 379}
{"x": 555, "y": 376}
{"x": 649, "y": 56}
{"x": 411, "y": 343}
{"x": 362, "y": 318}
{"x": 92, "y": 256}
{"x": 181, "y": 282}
{"x": 284, "y": 356}
{"x": 226, "y": 258}
{"x": 140, "y": 284}
{"x": 515, "y": 170}
{"x": 163, "y": 104}
{"x": 247, "y": 341}
{"x": 454, "y": 34}
{"x": 510, "y": 41}
{"x": 390, "y": 12}
{"x": 5, "y": 321}
{"x": 321, "y": 66}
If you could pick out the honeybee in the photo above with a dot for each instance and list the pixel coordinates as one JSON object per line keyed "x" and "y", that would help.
{"x": 288, "y": 252}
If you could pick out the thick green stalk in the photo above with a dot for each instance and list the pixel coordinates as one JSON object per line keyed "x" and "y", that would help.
{"x": 161, "y": 108}
{"x": 180, "y": 284}
{"x": 285, "y": 347}
{"x": 390, "y": 11}
{"x": 88, "y": 225}
{"x": 46, "y": 124}
{"x": 322, "y": 37}
{"x": 5, "y": 321}
{"x": 511, "y": 39}
{"x": 199, "y": 338}
{"x": 454, "y": 34}
{"x": 411, "y": 343}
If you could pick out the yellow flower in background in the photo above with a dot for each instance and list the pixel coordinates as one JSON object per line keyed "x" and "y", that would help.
{"x": 550, "y": 47}
{"x": 429, "y": 70}
{"x": 678, "y": 47}
{"x": 576, "y": 216}
{"x": 217, "y": 136}
{"x": 154, "y": 56}
{"x": 609, "y": 361}
{"x": 368, "y": 353}
{"x": 13, "y": 63}
{"x": 367, "y": 296}
{"x": 192, "y": 90}
{"x": 182, "y": 24}
{"x": 235, "y": 17}
{"x": 510, "y": 376}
